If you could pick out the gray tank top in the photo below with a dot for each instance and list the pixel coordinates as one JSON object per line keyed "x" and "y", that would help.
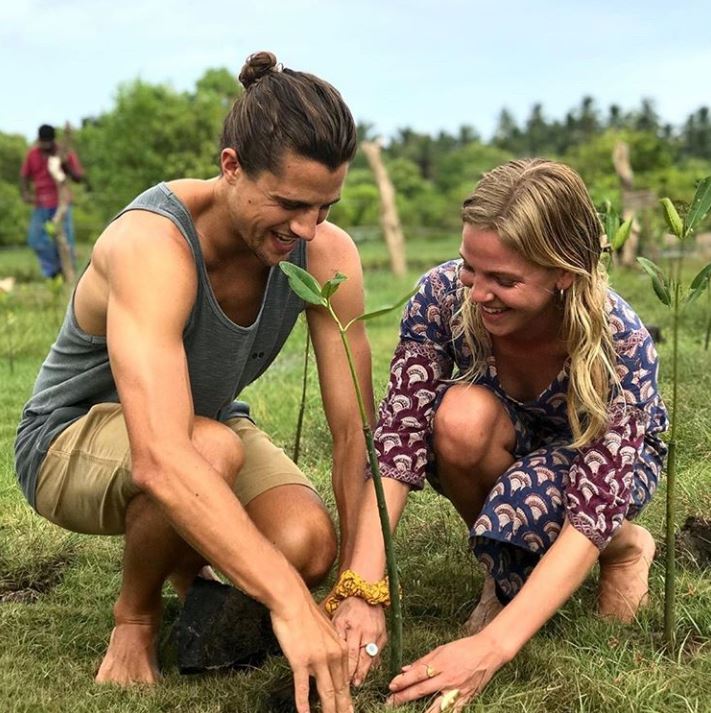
{"x": 223, "y": 357}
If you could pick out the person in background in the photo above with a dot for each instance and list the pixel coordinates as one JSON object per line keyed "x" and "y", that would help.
{"x": 525, "y": 390}
{"x": 39, "y": 186}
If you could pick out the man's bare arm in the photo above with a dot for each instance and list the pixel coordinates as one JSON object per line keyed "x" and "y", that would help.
{"x": 151, "y": 288}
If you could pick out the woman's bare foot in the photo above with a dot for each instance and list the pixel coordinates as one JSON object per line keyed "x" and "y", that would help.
{"x": 624, "y": 574}
{"x": 131, "y": 656}
{"x": 485, "y": 611}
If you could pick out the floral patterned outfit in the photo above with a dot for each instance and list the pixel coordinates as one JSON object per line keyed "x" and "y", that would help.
{"x": 596, "y": 487}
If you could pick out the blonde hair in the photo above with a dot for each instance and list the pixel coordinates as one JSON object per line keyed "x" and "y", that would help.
{"x": 542, "y": 210}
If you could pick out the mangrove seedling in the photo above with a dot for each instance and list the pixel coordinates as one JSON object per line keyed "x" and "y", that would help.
{"x": 671, "y": 293}
{"x": 306, "y": 287}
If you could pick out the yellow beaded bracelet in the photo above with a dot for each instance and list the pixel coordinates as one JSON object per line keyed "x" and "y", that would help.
{"x": 351, "y": 584}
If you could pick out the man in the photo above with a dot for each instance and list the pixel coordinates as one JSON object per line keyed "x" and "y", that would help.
{"x": 182, "y": 305}
{"x": 37, "y": 169}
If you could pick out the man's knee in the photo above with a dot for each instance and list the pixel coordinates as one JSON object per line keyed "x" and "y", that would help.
{"x": 220, "y": 446}
{"x": 466, "y": 425}
{"x": 295, "y": 520}
{"x": 310, "y": 545}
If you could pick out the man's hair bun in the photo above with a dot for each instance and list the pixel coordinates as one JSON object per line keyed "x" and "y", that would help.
{"x": 256, "y": 66}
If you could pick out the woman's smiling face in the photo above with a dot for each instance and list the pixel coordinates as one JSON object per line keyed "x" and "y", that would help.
{"x": 516, "y": 298}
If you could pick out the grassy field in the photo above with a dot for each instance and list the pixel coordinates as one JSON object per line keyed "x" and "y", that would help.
{"x": 57, "y": 588}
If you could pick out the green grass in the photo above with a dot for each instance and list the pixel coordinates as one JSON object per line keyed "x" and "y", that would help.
{"x": 54, "y": 630}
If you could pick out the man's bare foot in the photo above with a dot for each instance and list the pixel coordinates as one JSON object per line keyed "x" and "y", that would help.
{"x": 485, "y": 611}
{"x": 131, "y": 656}
{"x": 624, "y": 580}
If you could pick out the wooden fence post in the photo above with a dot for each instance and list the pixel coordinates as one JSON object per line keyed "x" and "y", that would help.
{"x": 389, "y": 218}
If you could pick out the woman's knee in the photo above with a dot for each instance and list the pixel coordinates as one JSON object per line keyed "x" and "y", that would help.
{"x": 469, "y": 422}
{"x": 220, "y": 446}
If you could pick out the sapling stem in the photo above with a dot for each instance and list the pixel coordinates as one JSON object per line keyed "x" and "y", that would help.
{"x": 306, "y": 287}
{"x": 670, "y": 572}
{"x": 302, "y": 403}
{"x": 668, "y": 290}
{"x": 393, "y": 575}
{"x": 708, "y": 322}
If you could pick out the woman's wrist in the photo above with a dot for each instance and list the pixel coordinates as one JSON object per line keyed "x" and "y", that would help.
{"x": 502, "y": 645}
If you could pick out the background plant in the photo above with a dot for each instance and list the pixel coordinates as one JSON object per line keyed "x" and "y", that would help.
{"x": 672, "y": 293}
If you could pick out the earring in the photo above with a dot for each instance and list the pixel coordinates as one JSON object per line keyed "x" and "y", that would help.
{"x": 561, "y": 294}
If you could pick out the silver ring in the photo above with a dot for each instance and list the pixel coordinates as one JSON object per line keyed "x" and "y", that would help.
{"x": 372, "y": 649}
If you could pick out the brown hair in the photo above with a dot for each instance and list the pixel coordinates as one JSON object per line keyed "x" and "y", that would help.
{"x": 542, "y": 210}
{"x": 283, "y": 110}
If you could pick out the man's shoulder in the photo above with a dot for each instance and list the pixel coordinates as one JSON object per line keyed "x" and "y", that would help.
{"x": 328, "y": 231}
{"x": 140, "y": 236}
{"x": 330, "y": 247}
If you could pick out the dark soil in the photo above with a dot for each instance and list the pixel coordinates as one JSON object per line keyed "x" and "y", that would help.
{"x": 27, "y": 587}
{"x": 694, "y": 541}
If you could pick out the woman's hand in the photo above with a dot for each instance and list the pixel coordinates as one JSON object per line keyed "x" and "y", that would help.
{"x": 359, "y": 623}
{"x": 464, "y": 665}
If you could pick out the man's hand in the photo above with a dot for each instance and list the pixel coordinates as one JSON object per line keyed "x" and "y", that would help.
{"x": 359, "y": 623}
{"x": 313, "y": 648}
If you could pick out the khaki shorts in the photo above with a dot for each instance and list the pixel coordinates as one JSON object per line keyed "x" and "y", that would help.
{"x": 85, "y": 485}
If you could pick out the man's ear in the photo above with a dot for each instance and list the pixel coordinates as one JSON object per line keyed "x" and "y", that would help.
{"x": 229, "y": 163}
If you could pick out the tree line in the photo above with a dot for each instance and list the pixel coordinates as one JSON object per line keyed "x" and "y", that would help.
{"x": 154, "y": 133}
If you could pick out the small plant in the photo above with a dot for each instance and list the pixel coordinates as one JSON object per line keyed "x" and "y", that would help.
{"x": 707, "y": 338}
{"x": 302, "y": 401}
{"x": 306, "y": 287}
{"x": 9, "y": 331}
{"x": 58, "y": 297}
{"x": 671, "y": 293}
{"x": 617, "y": 233}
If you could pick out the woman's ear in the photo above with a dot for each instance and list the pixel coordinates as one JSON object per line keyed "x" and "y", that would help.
{"x": 565, "y": 280}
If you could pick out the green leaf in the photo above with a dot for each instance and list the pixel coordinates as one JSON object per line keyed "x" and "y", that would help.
{"x": 659, "y": 282}
{"x": 675, "y": 223}
{"x": 303, "y": 283}
{"x": 611, "y": 221}
{"x": 621, "y": 234}
{"x": 330, "y": 286}
{"x": 699, "y": 284}
{"x": 385, "y": 310}
{"x": 700, "y": 205}
{"x": 661, "y": 291}
{"x": 649, "y": 267}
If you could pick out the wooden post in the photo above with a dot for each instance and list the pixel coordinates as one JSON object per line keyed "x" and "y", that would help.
{"x": 389, "y": 218}
{"x": 623, "y": 168}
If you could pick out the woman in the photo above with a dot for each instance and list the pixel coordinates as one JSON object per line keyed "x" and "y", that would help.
{"x": 525, "y": 391}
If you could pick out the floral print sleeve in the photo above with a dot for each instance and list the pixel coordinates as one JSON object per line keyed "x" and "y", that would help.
{"x": 610, "y": 475}
{"x": 423, "y": 362}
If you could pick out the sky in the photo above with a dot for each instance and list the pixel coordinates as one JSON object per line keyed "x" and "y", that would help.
{"x": 430, "y": 66}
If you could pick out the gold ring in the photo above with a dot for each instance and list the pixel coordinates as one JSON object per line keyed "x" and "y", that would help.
{"x": 431, "y": 673}
{"x": 448, "y": 699}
